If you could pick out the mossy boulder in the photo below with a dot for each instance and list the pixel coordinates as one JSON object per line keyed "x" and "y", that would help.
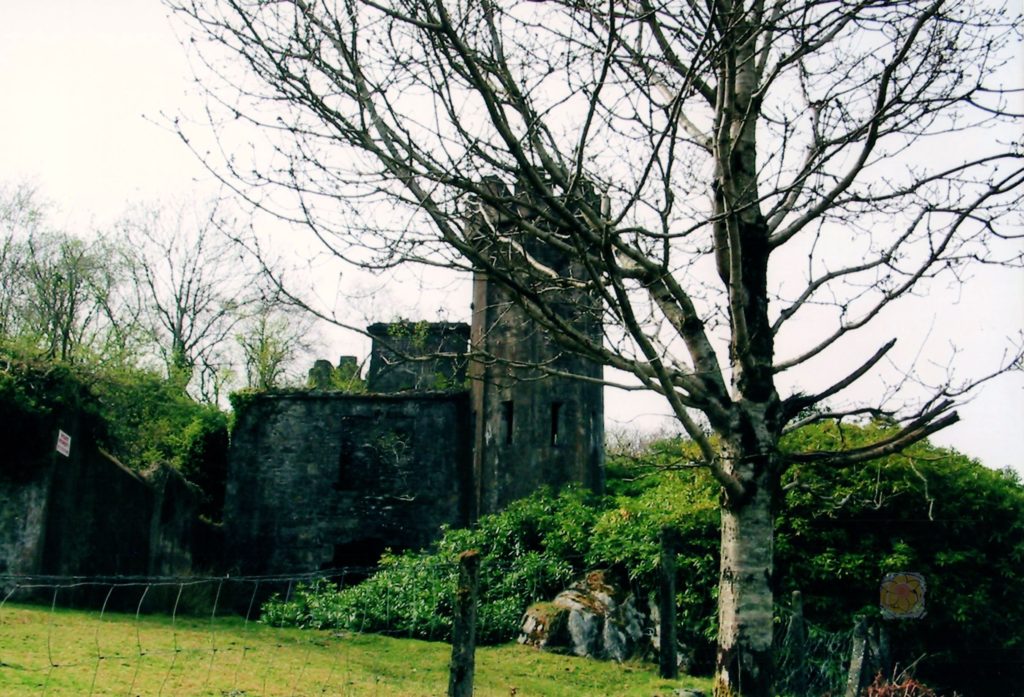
{"x": 593, "y": 617}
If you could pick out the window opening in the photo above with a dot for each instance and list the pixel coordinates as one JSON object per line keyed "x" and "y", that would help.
{"x": 556, "y": 418}
{"x": 356, "y": 466}
{"x": 508, "y": 417}
{"x": 346, "y": 469}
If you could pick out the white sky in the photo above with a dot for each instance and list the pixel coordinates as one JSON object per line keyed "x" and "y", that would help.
{"x": 85, "y": 87}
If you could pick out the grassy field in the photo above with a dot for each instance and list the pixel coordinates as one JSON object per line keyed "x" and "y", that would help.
{"x": 68, "y": 652}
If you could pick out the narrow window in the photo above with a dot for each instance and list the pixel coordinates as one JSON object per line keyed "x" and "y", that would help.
{"x": 346, "y": 469}
{"x": 355, "y": 470}
{"x": 508, "y": 417}
{"x": 556, "y": 417}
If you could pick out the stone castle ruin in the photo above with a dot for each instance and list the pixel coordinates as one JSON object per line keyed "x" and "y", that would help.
{"x": 456, "y": 421}
{"x": 326, "y": 479}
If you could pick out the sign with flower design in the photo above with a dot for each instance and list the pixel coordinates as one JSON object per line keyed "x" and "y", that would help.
{"x": 902, "y": 596}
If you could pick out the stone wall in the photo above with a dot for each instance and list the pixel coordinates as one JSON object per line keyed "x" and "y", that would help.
{"x": 87, "y": 514}
{"x": 179, "y": 542}
{"x": 325, "y": 480}
{"x": 98, "y": 516}
{"x": 534, "y": 423}
{"x": 27, "y": 459}
{"x": 417, "y": 356}
{"x": 23, "y": 523}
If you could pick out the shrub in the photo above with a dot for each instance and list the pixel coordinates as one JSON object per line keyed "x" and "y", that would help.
{"x": 907, "y": 687}
{"x": 202, "y": 456}
{"x": 930, "y": 510}
{"x": 137, "y": 415}
{"x": 531, "y": 550}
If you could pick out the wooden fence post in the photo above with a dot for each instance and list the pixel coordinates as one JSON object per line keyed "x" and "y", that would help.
{"x": 796, "y": 637}
{"x": 884, "y": 653}
{"x": 855, "y": 678}
{"x": 667, "y": 662}
{"x": 460, "y": 675}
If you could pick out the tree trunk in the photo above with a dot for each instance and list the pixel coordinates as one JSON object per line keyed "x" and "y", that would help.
{"x": 744, "y": 665}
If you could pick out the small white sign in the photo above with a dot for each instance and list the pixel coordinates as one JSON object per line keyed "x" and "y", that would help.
{"x": 63, "y": 444}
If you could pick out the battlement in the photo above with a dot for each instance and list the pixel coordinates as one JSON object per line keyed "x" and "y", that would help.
{"x": 409, "y": 356}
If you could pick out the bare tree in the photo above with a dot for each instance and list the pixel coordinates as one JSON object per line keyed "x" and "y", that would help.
{"x": 65, "y": 281}
{"x": 192, "y": 290}
{"x": 61, "y": 293}
{"x": 271, "y": 340}
{"x": 730, "y": 176}
{"x": 18, "y": 213}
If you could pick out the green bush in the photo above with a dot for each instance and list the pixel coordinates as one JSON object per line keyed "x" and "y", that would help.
{"x": 135, "y": 414}
{"x": 530, "y": 551}
{"x": 404, "y": 597}
{"x": 627, "y": 537}
{"x": 930, "y": 510}
{"x": 202, "y": 456}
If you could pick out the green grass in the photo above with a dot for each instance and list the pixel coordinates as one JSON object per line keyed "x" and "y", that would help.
{"x": 69, "y": 652}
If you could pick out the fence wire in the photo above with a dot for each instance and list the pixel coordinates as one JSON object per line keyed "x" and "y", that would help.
{"x": 191, "y": 636}
{"x": 164, "y": 636}
{"x": 213, "y": 635}
{"x": 810, "y": 660}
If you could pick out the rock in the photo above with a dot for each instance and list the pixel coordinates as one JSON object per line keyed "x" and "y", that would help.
{"x": 591, "y": 618}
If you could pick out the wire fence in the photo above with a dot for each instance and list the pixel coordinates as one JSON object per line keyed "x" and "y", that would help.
{"x": 810, "y": 660}
{"x": 170, "y": 636}
{"x": 217, "y": 635}
{"x": 71, "y": 635}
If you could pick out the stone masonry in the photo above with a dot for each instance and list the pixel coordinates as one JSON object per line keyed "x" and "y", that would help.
{"x": 327, "y": 479}
{"x": 323, "y": 480}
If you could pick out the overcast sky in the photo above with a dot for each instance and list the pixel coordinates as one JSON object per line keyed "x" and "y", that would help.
{"x": 87, "y": 88}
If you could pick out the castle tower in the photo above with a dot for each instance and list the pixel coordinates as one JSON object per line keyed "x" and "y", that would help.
{"x": 532, "y": 428}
